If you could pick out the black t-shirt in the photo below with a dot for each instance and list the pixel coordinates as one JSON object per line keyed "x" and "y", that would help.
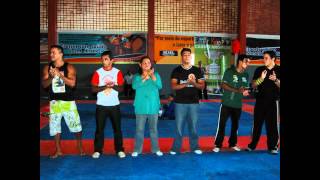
{"x": 189, "y": 94}
{"x": 267, "y": 90}
{"x": 63, "y": 91}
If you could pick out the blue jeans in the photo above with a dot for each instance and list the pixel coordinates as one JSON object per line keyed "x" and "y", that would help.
{"x": 140, "y": 124}
{"x": 186, "y": 113}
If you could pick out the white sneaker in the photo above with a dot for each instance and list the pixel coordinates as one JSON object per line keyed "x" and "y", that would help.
{"x": 121, "y": 154}
{"x": 159, "y": 153}
{"x": 216, "y": 149}
{"x": 275, "y": 151}
{"x": 96, "y": 155}
{"x": 198, "y": 151}
{"x": 236, "y": 148}
{"x": 172, "y": 153}
{"x": 134, "y": 154}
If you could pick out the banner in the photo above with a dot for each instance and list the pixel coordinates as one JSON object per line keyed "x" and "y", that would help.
{"x": 126, "y": 48}
{"x": 214, "y": 53}
{"x": 256, "y": 47}
{"x": 167, "y": 48}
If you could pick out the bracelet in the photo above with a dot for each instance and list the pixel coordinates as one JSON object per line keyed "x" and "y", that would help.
{"x": 259, "y": 81}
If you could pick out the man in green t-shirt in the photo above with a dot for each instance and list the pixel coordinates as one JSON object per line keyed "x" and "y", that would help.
{"x": 235, "y": 85}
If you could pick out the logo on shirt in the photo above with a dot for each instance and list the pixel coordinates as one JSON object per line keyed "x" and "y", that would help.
{"x": 58, "y": 85}
{"x": 244, "y": 79}
{"x": 235, "y": 79}
{"x": 108, "y": 80}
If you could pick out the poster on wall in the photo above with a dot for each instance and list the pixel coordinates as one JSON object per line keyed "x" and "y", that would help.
{"x": 167, "y": 48}
{"x": 256, "y": 47}
{"x": 43, "y": 47}
{"x": 127, "y": 48}
{"x": 214, "y": 54}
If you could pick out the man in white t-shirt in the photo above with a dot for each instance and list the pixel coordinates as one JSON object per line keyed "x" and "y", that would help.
{"x": 107, "y": 81}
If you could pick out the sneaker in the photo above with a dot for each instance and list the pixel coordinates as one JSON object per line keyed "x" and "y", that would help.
{"x": 236, "y": 148}
{"x": 121, "y": 154}
{"x": 198, "y": 151}
{"x": 248, "y": 149}
{"x": 96, "y": 155}
{"x": 134, "y": 154}
{"x": 159, "y": 153}
{"x": 274, "y": 151}
{"x": 216, "y": 149}
{"x": 172, "y": 153}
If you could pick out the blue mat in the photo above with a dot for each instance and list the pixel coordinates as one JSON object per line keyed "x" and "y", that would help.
{"x": 207, "y": 123}
{"x": 212, "y": 166}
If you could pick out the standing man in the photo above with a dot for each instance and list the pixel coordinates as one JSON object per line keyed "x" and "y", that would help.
{"x": 107, "y": 81}
{"x": 267, "y": 81}
{"x": 235, "y": 85}
{"x": 60, "y": 79}
{"x": 186, "y": 80}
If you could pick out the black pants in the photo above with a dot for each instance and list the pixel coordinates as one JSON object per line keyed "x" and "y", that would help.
{"x": 224, "y": 114}
{"x": 205, "y": 92}
{"x": 265, "y": 111}
{"x": 113, "y": 112}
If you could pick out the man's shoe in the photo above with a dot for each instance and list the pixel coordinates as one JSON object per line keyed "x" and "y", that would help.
{"x": 96, "y": 155}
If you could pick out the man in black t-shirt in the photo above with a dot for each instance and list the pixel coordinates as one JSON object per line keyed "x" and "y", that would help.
{"x": 266, "y": 80}
{"x": 186, "y": 80}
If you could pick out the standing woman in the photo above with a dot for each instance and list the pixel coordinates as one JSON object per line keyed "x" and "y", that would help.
{"x": 147, "y": 84}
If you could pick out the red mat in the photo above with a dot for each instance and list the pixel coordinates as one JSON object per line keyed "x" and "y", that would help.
{"x": 47, "y": 147}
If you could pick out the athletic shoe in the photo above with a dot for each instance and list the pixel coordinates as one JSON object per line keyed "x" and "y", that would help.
{"x": 159, "y": 153}
{"x": 121, "y": 154}
{"x": 134, "y": 154}
{"x": 236, "y": 148}
{"x": 96, "y": 155}
{"x": 172, "y": 153}
{"x": 216, "y": 149}
{"x": 274, "y": 151}
{"x": 197, "y": 151}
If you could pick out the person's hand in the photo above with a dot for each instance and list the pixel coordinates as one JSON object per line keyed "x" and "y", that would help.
{"x": 263, "y": 74}
{"x": 110, "y": 84}
{"x": 273, "y": 76}
{"x": 241, "y": 89}
{"x": 52, "y": 71}
{"x": 151, "y": 72}
{"x": 57, "y": 72}
{"x": 245, "y": 93}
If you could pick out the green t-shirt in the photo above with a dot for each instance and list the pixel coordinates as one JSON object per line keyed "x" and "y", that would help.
{"x": 147, "y": 100}
{"x": 235, "y": 80}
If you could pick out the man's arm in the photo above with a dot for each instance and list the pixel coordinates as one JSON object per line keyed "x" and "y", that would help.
{"x": 257, "y": 81}
{"x": 198, "y": 85}
{"x": 96, "y": 88}
{"x": 176, "y": 86}
{"x": 227, "y": 87}
{"x": 46, "y": 77}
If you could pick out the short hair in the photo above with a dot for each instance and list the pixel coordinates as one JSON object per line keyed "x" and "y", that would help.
{"x": 60, "y": 48}
{"x": 241, "y": 57}
{"x": 185, "y": 49}
{"x": 272, "y": 54}
{"x": 109, "y": 53}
